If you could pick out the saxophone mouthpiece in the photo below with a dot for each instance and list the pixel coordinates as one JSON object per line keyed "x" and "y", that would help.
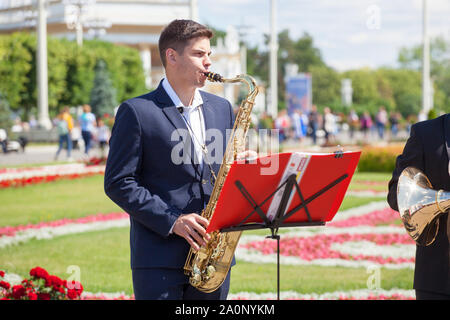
{"x": 213, "y": 77}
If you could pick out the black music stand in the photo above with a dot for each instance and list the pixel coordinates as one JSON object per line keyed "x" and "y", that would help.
{"x": 281, "y": 214}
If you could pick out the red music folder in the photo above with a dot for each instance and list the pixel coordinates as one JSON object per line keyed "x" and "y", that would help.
{"x": 262, "y": 176}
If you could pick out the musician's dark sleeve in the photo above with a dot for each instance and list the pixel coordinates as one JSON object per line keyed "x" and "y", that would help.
{"x": 412, "y": 156}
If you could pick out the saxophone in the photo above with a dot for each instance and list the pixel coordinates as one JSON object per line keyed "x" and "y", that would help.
{"x": 208, "y": 267}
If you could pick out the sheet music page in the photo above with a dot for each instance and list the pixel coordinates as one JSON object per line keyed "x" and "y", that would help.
{"x": 297, "y": 165}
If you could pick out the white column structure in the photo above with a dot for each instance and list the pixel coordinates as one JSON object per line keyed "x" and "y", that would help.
{"x": 146, "y": 58}
{"x": 42, "y": 72}
{"x": 193, "y": 10}
{"x": 426, "y": 83}
{"x": 273, "y": 108}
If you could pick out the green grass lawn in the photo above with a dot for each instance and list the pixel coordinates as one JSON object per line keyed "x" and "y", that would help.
{"x": 56, "y": 200}
{"x": 103, "y": 257}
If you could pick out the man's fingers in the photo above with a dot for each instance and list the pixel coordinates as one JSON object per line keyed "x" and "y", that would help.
{"x": 197, "y": 236}
{"x": 192, "y": 227}
{"x": 202, "y": 220}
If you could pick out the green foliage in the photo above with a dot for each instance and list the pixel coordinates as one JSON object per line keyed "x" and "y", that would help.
{"x": 70, "y": 71}
{"x": 432, "y": 114}
{"x": 326, "y": 85}
{"x": 377, "y": 160}
{"x": 300, "y": 52}
{"x": 5, "y": 114}
{"x": 15, "y": 65}
{"x": 103, "y": 94}
{"x": 411, "y": 58}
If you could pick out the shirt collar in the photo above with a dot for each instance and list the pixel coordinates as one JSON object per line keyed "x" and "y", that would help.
{"x": 197, "y": 101}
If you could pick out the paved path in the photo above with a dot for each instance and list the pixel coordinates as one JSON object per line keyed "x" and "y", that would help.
{"x": 42, "y": 154}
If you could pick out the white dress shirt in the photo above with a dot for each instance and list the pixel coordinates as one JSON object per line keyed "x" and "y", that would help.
{"x": 193, "y": 117}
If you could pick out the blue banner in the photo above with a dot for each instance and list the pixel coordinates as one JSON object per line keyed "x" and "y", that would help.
{"x": 299, "y": 92}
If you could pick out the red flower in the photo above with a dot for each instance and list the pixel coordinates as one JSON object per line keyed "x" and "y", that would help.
{"x": 32, "y": 295}
{"x": 18, "y": 291}
{"x": 53, "y": 281}
{"x": 5, "y": 285}
{"x": 39, "y": 273}
{"x": 72, "y": 294}
{"x": 2, "y": 273}
{"x": 43, "y": 296}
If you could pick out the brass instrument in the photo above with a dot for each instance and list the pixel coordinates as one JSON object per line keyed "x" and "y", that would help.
{"x": 420, "y": 206}
{"x": 208, "y": 267}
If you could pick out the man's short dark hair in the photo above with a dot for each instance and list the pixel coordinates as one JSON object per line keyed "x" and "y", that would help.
{"x": 177, "y": 34}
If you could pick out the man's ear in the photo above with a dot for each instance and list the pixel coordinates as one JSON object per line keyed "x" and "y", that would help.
{"x": 171, "y": 56}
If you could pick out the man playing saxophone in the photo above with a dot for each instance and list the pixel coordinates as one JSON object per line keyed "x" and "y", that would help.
{"x": 144, "y": 176}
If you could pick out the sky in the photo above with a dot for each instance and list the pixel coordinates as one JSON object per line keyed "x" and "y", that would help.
{"x": 349, "y": 33}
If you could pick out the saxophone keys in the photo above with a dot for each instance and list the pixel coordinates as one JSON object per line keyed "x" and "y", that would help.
{"x": 210, "y": 270}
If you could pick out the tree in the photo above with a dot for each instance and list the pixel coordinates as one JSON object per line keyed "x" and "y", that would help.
{"x": 411, "y": 58}
{"x": 326, "y": 85}
{"x": 5, "y": 114}
{"x": 103, "y": 94}
{"x": 301, "y": 52}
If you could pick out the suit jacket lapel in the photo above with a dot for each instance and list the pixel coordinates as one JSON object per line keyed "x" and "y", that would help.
{"x": 174, "y": 117}
{"x": 209, "y": 116}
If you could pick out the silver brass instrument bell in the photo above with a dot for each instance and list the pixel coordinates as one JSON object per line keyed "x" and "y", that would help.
{"x": 420, "y": 206}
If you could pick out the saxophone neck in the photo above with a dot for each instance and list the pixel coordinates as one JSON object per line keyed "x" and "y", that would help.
{"x": 250, "y": 81}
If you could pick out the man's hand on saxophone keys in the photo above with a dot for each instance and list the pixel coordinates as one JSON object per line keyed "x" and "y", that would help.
{"x": 192, "y": 227}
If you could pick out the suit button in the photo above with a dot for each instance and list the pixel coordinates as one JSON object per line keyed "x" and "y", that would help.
{"x": 204, "y": 181}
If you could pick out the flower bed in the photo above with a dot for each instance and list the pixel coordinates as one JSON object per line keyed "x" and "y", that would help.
{"x": 377, "y": 248}
{"x": 12, "y": 177}
{"x": 48, "y": 230}
{"x": 11, "y": 231}
{"x": 40, "y": 286}
{"x": 358, "y": 237}
{"x": 385, "y": 216}
{"x": 365, "y": 294}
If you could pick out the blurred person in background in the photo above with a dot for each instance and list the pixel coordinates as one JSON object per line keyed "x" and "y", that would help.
{"x": 313, "y": 123}
{"x": 76, "y": 136}
{"x": 62, "y": 126}
{"x": 87, "y": 123}
{"x": 394, "y": 120}
{"x": 283, "y": 124}
{"x": 353, "y": 122}
{"x": 4, "y": 140}
{"x": 103, "y": 134}
{"x": 329, "y": 125}
{"x": 366, "y": 124}
{"x": 381, "y": 120}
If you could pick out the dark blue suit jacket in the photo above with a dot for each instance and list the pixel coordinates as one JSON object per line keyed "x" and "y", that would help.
{"x": 426, "y": 150}
{"x": 143, "y": 180}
